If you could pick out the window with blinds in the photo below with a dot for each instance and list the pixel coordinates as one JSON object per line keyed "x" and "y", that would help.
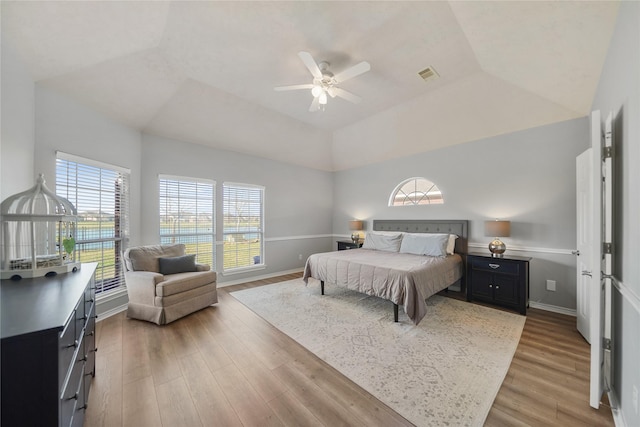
{"x": 100, "y": 193}
{"x": 243, "y": 211}
{"x": 187, "y": 215}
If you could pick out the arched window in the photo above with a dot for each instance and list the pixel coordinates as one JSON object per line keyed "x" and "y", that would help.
{"x": 416, "y": 191}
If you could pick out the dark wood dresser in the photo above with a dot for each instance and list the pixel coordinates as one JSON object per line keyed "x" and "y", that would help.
{"x": 48, "y": 348}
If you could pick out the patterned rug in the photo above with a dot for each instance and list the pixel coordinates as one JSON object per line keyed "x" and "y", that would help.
{"x": 445, "y": 371}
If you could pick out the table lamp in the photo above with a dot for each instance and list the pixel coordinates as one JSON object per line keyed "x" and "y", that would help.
{"x": 497, "y": 229}
{"x": 355, "y": 226}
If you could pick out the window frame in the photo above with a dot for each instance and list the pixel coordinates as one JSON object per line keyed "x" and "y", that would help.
{"x": 69, "y": 168}
{"x": 210, "y": 258}
{"x": 416, "y": 179}
{"x": 243, "y": 268}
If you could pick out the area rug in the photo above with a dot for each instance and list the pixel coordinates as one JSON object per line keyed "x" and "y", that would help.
{"x": 445, "y": 371}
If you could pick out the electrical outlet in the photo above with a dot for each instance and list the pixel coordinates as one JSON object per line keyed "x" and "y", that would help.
{"x": 551, "y": 285}
{"x": 300, "y": 257}
{"x": 635, "y": 399}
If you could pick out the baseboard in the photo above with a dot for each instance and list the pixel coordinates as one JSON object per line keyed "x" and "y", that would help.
{"x": 553, "y": 308}
{"x": 254, "y": 278}
{"x": 618, "y": 417}
{"x": 112, "y": 312}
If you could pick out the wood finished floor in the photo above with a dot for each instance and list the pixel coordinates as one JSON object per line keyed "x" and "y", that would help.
{"x": 227, "y": 367}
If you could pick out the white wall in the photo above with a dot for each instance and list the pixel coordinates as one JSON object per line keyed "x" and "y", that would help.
{"x": 17, "y": 141}
{"x": 527, "y": 177}
{"x": 298, "y": 200}
{"x": 619, "y": 91}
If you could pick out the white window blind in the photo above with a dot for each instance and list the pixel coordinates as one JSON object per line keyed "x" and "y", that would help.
{"x": 187, "y": 215}
{"x": 100, "y": 194}
{"x": 243, "y": 226}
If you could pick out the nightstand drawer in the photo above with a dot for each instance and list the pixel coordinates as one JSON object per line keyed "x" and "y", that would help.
{"x": 495, "y": 265}
{"x": 344, "y": 245}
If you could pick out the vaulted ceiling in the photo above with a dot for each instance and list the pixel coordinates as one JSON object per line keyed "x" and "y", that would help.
{"x": 204, "y": 72}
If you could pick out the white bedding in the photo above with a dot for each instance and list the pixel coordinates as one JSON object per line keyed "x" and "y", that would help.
{"x": 404, "y": 279}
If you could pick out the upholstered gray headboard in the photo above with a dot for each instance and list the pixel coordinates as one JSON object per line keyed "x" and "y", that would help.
{"x": 458, "y": 227}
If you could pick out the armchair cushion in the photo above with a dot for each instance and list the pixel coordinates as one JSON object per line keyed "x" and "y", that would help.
{"x": 182, "y": 282}
{"x": 178, "y": 264}
{"x": 145, "y": 258}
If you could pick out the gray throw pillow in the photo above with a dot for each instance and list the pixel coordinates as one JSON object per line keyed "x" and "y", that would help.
{"x": 178, "y": 264}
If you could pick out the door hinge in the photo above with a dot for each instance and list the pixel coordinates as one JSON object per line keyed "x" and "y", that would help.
{"x": 606, "y": 343}
{"x": 607, "y": 248}
{"x": 607, "y": 152}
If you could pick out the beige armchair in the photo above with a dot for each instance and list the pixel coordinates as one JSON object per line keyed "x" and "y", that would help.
{"x": 164, "y": 284}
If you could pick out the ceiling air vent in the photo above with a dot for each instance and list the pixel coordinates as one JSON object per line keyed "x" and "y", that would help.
{"x": 428, "y": 73}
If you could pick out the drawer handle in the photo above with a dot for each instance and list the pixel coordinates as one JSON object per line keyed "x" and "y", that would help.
{"x": 497, "y": 287}
{"x": 90, "y": 334}
{"x": 75, "y": 344}
{"x": 494, "y": 266}
{"x": 74, "y": 397}
{"x": 491, "y": 286}
{"x": 84, "y": 359}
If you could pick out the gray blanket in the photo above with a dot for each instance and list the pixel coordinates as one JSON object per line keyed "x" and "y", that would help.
{"x": 404, "y": 279}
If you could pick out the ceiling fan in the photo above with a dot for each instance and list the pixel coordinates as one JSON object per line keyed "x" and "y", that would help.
{"x": 325, "y": 82}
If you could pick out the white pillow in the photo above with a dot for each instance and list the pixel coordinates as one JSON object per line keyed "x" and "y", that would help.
{"x": 382, "y": 241}
{"x": 425, "y": 244}
{"x": 451, "y": 246}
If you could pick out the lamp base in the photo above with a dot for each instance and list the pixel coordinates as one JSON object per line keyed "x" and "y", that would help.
{"x": 355, "y": 237}
{"x": 497, "y": 248}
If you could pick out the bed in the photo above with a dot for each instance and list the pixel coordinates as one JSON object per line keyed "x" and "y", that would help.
{"x": 406, "y": 279}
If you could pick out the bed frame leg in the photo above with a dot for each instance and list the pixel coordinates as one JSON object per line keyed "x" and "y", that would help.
{"x": 395, "y": 312}
{"x": 322, "y": 287}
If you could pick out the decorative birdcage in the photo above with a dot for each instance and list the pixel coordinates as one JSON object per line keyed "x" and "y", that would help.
{"x": 39, "y": 230}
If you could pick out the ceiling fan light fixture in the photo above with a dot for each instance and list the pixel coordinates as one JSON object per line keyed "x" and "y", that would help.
{"x": 316, "y": 90}
{"x": 325, "y": 83}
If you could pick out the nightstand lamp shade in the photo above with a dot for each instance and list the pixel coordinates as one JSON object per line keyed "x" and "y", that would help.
{"x": 497, "y": 229}
{"x": 355, "y": 226}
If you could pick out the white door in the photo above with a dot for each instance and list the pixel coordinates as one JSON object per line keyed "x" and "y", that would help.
{"x": 606, "y": 266}
{"x": 585, "y": 239}
{"x": 600, "y": 259}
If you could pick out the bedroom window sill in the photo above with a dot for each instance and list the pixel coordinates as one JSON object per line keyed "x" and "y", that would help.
{"x": 241, "y": 270}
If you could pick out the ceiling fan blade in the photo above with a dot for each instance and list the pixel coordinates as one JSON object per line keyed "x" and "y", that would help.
{"x": 347, "y": 95}
{"x": 349, "y": 73}
{"x": 315, "y": 104}
{"x": 311, "y": 64}
{"x": 294, "y": 87}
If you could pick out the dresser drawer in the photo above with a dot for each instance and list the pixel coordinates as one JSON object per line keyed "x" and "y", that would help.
{"x": 68, "y": 343}
{"x": 81, "y": 319}
{"x": 89, "y": 297}
{"x": 90, "y": 342}
{"x": 495, "y": 265}
{"x": 70, "y": 396}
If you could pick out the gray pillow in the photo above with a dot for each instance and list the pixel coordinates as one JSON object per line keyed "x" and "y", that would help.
{"x": 382, "y": 241}
{"x": 425, "y": 244}
{"x": 178, "y": 264}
